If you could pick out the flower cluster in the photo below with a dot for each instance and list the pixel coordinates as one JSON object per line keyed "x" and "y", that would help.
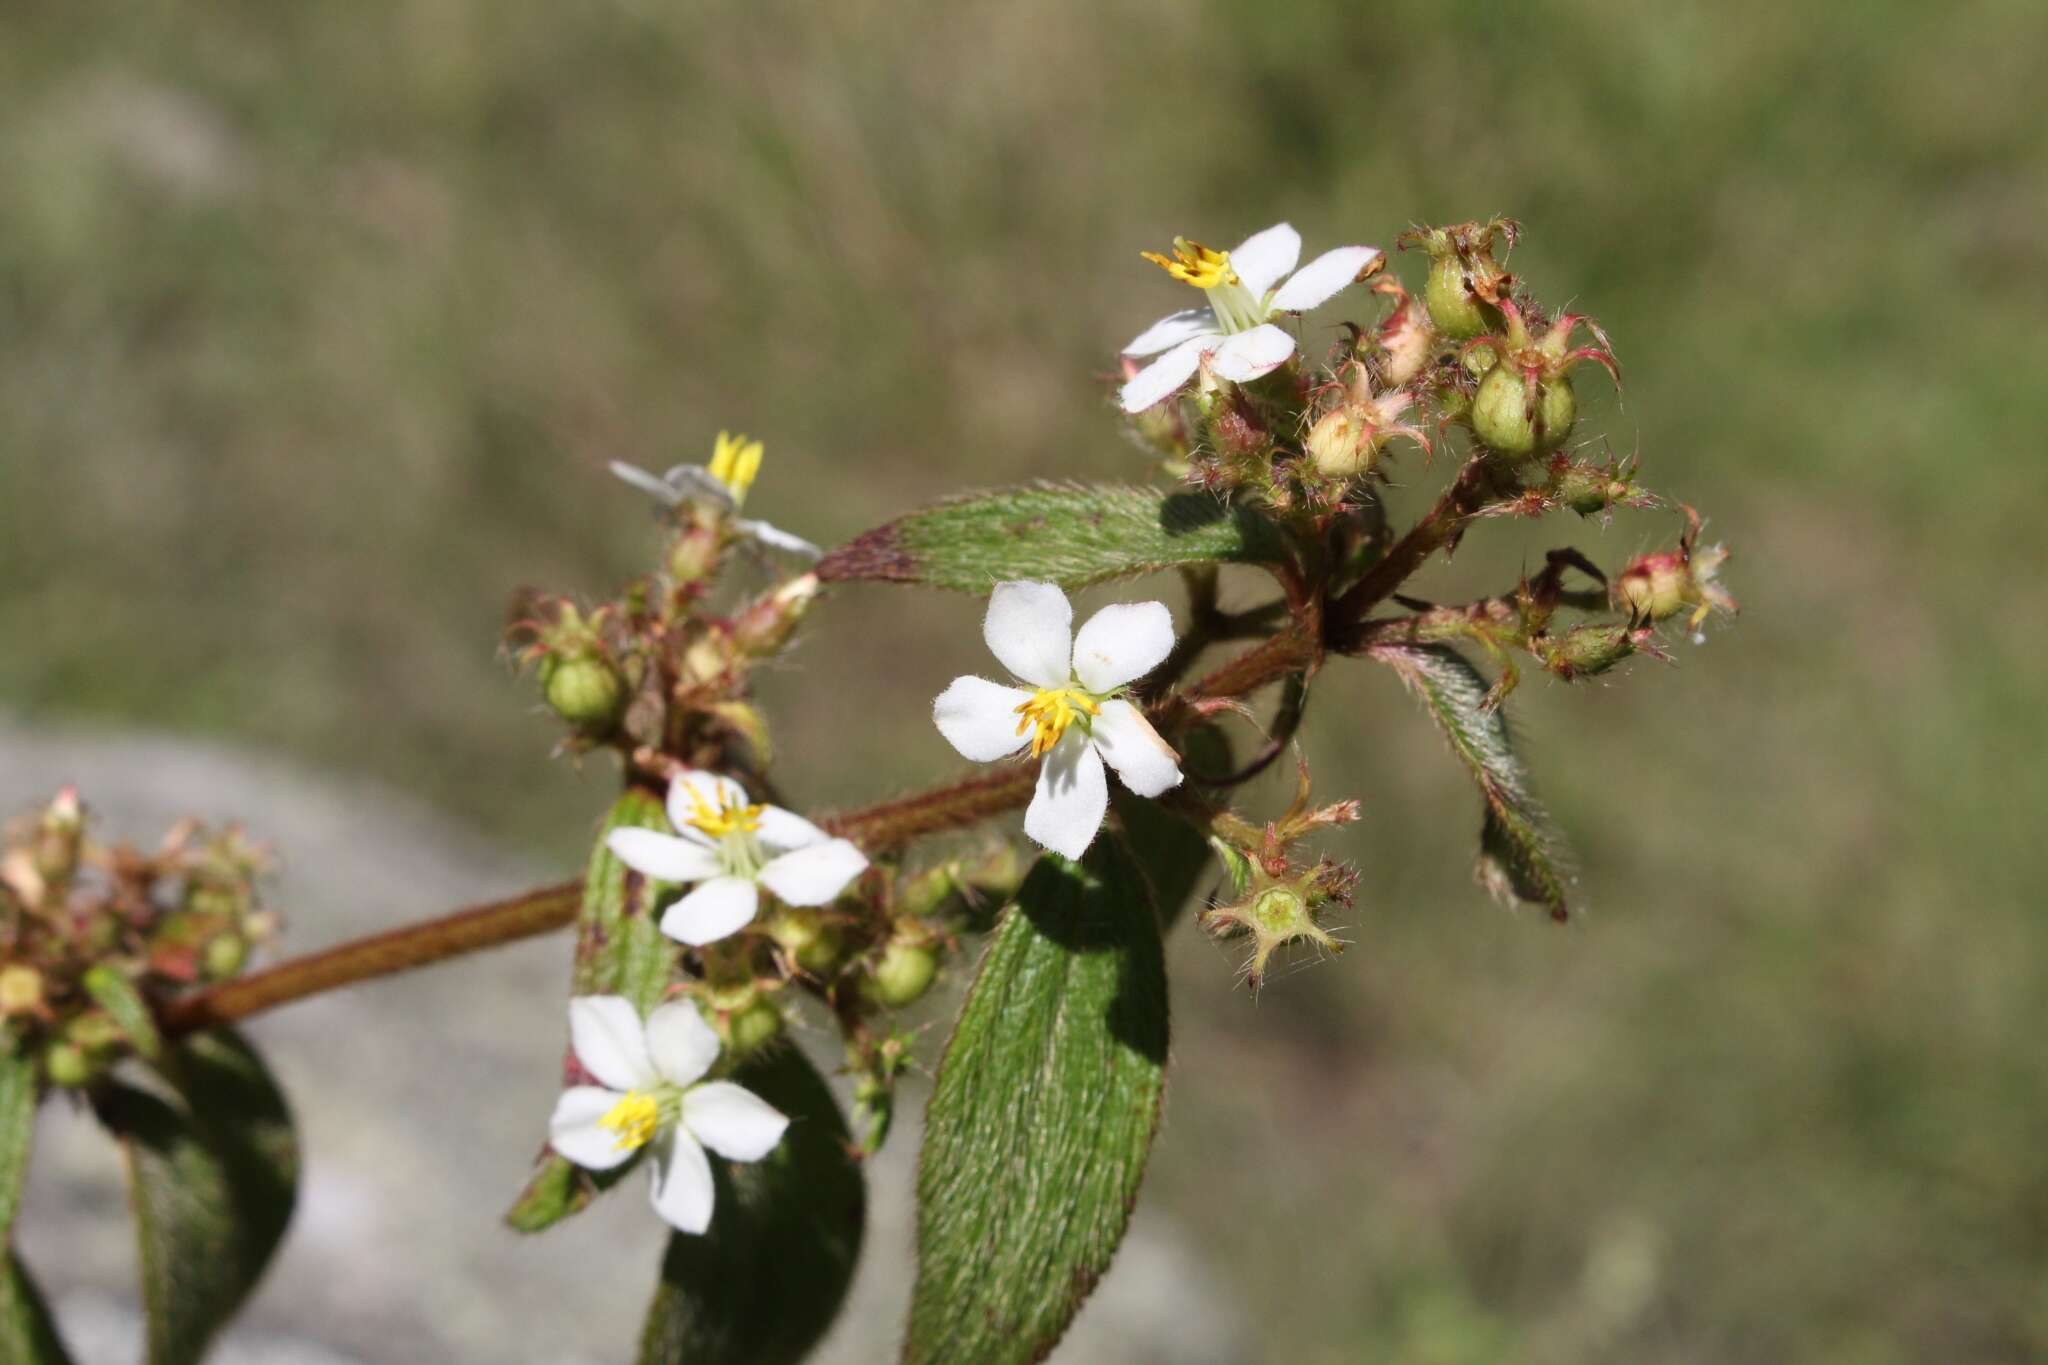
{"x": 96, "y": 940}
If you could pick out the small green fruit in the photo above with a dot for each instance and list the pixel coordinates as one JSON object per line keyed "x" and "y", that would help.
{"x": 225, "y": 956}
{"x": 1501, "y": 417}
{"x": 1452, "y": 305}
{"x": 903, "y": 975}
{"x": 67, "y": 1064}
{"x": 756, "y": 1026}
{"x": 585, "y": 691}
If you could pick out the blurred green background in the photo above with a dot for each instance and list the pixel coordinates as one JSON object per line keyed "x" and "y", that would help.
{"x": 318, "y": 322}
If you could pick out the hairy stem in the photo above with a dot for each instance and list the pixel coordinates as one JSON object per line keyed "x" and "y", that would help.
{"x": 397, "y": 950}
{"x": 1438, "y": 528}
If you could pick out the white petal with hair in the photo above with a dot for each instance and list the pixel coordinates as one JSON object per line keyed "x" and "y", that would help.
{"x": 574, "y": 1130}
{"x": 717, "y": 909}
{"x": 664, "y": 857}
{"x": 1249, "y": 355}
{"x": 1070, "y": 799}
{"x": 1262, "y": 258}
{"x": 610, "y": 1042}
{"x": 679, "y": 1043}
{"x": 1320, "y": 280}
{"x": 1029, "y": 628}
{"x": 814, "y": 874}
{"x": 683, "y": 1190}
{"x": 1122, "y": 643}
{"x": 1143, "y": 761}
{"x": 1158, "y": 381}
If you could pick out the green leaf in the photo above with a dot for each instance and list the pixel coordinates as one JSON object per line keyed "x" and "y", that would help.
{"x": 1043, "y": 1115}
{"x": 213, "y": 1178}
{"x": 620, "y": 950}
{"x": 1068, "y": 534}
{"x": 116, "y": 994}
{"x": 27, "y": 1334}
{"x": 764, "y": 1283}
{"x": 1521, "y": 856}
{"x": 17, "y": 1132}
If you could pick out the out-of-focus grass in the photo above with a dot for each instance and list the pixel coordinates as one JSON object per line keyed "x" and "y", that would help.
{"x": 317, "y": 323}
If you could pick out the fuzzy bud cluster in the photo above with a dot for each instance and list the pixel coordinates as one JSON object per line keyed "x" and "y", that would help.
{"x": 94, "y": 939}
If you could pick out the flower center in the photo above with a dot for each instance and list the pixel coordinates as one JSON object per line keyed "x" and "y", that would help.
{"x": 1210, "y": 271}
{"x": 731, "y": 815}
{"x": 735, "y": 462}
{"x": 1195, "y": 264}
{"x": 635, "y": 1118}
{"x": 1050, "y": 711}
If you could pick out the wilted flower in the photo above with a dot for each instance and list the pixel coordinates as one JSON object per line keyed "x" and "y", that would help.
{"x": 735, "y": 463}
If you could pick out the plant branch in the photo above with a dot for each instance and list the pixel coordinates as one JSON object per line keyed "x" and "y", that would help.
{"x": 416, "y": 945}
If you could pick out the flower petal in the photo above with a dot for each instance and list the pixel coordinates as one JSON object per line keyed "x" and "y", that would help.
{"x": 1146, "y": 763}
{"x": 1247, "y": 355}
{"x": 1030, "y": 628}
{"x": 718, "y": 909}
{"x": 732, "y": 1120}
{"x": 663, "y": 857}
{"x": 1262, "y": 258}
{"x": 610, "y": 1041}
{"x": 651, "y": 484}
{"x": 1123, "y": 641}
{"x": 786, "y": 829}
{"x": 814, "y": 875}
{"x": 979, "y": 718}
{"x": 1159, "y": 380}
{"x": 574, "y": 1132}
{"x": 691, "y": 788}
{"x": 775, "y": 538}
{"x": 1072, "y": 796}
{"x": 679, "y": 1043}
{"x": 1322, "y": 277}
{"x": 1168, "y": 332}
{"x": 682, "y": 1185}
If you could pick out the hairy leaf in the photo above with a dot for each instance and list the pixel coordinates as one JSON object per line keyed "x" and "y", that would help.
{"x": 1520, "y": 855}
{"x": 620, "y": 950}
{"x": 764, "y": 1283}
{"x": 1042, "y": 1116}
{"x": 116, "y": 994}
{"x": 212, "y": 1179}
{"x": 17, "y": 1132}
{"x": 27, "y": 1335}
{"x": 1068, "y": 534}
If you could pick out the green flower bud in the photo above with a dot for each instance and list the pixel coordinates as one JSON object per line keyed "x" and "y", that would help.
{"x": 754, "y": 1027}
{"x": 21, "y": 989}
{"x": 1452, "y": 305}
{"x": 904, "y": 973}
{"x": 1653, "y": 587}
{"x": 1502, "y": 419}
{"x": 225, "y": 956}
{"x": 812, "y": 942}
{"x": 67, "y": 1064}
{"x": 585, "y": 691}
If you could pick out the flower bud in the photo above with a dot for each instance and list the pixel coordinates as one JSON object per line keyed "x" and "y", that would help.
{"x": 1452, "y": 306}
{"x": 1505, "y": 420}
{"x": 1406, "y": 337}
{"x": 1346, "y": 441}
{"x": 59, "y": 833}
{"x": 21, "y": 989}
{"x": 811, "y": 941}
{"x": 693, "y": 555}
{"x": 225, "y": 956}
{"x": 1586, "y": 651}
{"x": 1652, "y": 587}
{"x": 766, "y": 624}
{"x": 1465, "y": 281}
{"x": 903, "y": 973}
{"x": 586, "y": 691}
{"x": 68, "y": 1065}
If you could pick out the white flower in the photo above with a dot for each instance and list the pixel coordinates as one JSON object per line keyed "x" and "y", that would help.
{"x": 1072, "y": 713}
{"x": 1235, "y": 333}
{"x": 735, "y": 463}
{"x": 651, "y": 1093}
{"x": 732, "y": 850}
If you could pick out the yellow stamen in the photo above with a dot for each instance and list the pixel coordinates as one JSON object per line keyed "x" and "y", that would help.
{"x": 1195, "y": 264}
{"x": 1049, "y": 712}
{"x": 635, "y": 1118}
{"x": 735, "y": 462}
{"x": 732, "y": 815}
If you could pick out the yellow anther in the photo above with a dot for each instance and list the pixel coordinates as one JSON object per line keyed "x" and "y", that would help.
{"x": 1049, "y": 712}
{"x": 1195, "y": 264}
{"x": 732, "y": 815}
{"x": 635, "y": 1118}
{"x": 735, "y": 462}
